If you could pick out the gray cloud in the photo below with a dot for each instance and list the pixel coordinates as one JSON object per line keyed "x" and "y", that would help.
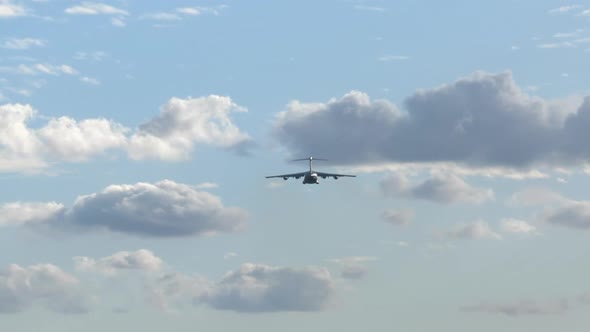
{"x": 480, "y": 121}
{"x": 21, "y": 287}
{"x": 445, "y": 189}
{"x": 558, "y": 210}
{"x": 398, "y": 217}
{"x": 162, "y": 209}
{"x": 573, "y": 214}
{"x": 522, "y": 308}
{"x": 263, "y": 288}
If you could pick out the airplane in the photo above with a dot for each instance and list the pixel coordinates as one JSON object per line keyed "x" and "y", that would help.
{"x": 311, "y": 176}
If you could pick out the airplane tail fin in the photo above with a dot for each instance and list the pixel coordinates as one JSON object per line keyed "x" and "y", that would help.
{"x": 310, "y": 159}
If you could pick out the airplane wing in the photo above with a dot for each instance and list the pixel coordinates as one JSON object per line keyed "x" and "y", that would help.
{"x": 333, "y": 175}
{"x": 285, "y": 176}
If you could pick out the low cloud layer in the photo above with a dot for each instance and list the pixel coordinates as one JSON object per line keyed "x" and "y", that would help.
{"x": 161, "y": 209}
{"x": 458, "y": 122}
{"x": 445, "y": 189}
{"x": 44, "y": 284}
{"x": 171, "y": 136}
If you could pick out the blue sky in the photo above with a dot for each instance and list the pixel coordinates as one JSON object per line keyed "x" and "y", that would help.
{"x": 135, "y": 137}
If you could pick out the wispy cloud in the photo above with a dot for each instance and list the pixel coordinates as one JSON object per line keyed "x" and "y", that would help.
{"x": 23, "y": 43}
{"x": 9, "y": 9}
{"x": 369, "y": 8}
{"x": 388, "y": 58}
{"x": 564, "y": 9}
{"x": 522, "y": 308}
{"x": 94, "y": 8}
{"x": 90, "y": 80}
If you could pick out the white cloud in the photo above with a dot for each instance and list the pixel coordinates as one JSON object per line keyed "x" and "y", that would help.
{"x": 171, "y": 136}
{"x": 441, "y": 188}
{"x": 369, "y": 8}
{"x": 23, "y": 43}
{"x": 67, "y": 139}
{"x": 94, "y": 8}
{"x": 352, "y": 267}
{"x": 181, "y": 12}
{"x": 517, "y": 226}
{"x": 398, "y": 217}
{"x": 9, "y": 8}
{"x": 387, "y": 58}
{"x": 476, "y": 230}
{"x": 230, "y": 255}
{"x": 142, "y": 260}
{"x": 564, "y": 9}
{"x": 47, "y": 69}
{"x": 162, "y": 16}
{"x": 207, "y": 185}
{"x": 19, "y": 213}
{"x": 184, "y": 122}
{"x": 162, "y": 209}
{"x": 118, "y": 22}
{"x": 457, "y": 122}
{"x": 46, "y": 284}
{"x": 90, "y": 80}
{"x": 91, "y": 56}
{"x": 262, "y": 288}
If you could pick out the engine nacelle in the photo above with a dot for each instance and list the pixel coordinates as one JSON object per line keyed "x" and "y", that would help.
{"x": 335, "y": 178}
{"x": 285, "y": 178}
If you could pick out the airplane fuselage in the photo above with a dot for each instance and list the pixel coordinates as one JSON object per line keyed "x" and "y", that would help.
{"x": 310, "y": 178}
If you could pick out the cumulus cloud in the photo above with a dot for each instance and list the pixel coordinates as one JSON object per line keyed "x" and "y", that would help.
{"x": 184, "y": 122}
{"x": 441, "y": 188}
{"x": 398, "y": 217}
{"x": 263, "y": 288}
{"x": 67, "y": 139}
{"x": 20, "y": 213}
{"x": 9, "y": 8}
{"x": 46, "y": 284}
{"x": 94, "y": 8}
{"x": 171, "y": 136}
{"x": 522, "y": 308}
{"x": 23, "y": 43}
{"x": 474, "y": 231}
{"x": 161, "y": 209}
{"x": 141, "y": 260}
{"x": 457, "y": 122}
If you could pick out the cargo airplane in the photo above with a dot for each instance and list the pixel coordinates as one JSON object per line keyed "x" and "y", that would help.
{"x": 311, "y": 176}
